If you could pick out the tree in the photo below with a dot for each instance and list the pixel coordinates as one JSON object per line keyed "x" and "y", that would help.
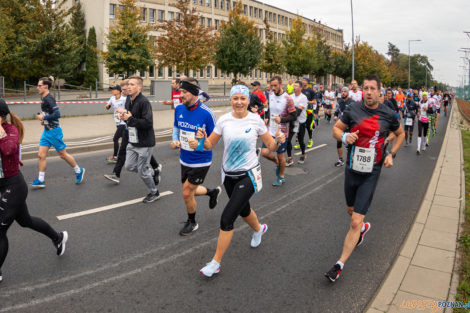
{"x": 272, "y": 60}
{"x": 186, "y": 43}
{"x": 77, "y": 24}
{"x": 393, "y": 52}
{"x": 129, "y": 48}
{"x": 322, "y": 58}
{"x": 91, "y": 59}
{"x": 238, "y": 48}
{"x": 370, "y": 61}
{"x": 298, "y": 54}
{"x": 342, "y": 63}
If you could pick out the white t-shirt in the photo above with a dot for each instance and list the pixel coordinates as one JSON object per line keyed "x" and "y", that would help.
{"x": 303, "y": 101}
{"x": 240, "y": 137}
{"x": 355, "y": 96}
{"x": 281, "y": 106}
{"x": 329, "y": 94}
{"x": 115, "y": 104}
{"x": 423, "y": 111}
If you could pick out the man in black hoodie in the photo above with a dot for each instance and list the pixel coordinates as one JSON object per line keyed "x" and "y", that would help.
{"x": 139, "y": 120}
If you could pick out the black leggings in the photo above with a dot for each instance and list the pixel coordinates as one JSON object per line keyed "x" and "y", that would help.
{"x": 309, "y": 124}
{"x": 422, "y": 129}
{"x": 118, "y": 134}
{"x": 13, "y": 208}
{"x": 300, "y": 137}
{"x": 239, "y": 191}
{"x": 289, "y": 140}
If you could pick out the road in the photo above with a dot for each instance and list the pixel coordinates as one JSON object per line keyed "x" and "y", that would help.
{"x": 131, "y": 258}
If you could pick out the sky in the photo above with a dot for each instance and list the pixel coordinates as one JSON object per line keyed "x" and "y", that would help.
{"x": 439, "y": 25}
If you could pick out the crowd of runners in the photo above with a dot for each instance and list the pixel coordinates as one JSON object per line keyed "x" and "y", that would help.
{"x": 371, "y": 121}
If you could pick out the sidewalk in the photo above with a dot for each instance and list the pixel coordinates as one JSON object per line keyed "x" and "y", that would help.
{"x": 426, "y": 269}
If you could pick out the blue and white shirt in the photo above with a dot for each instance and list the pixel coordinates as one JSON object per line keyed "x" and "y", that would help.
{"x": 187, "y": 122}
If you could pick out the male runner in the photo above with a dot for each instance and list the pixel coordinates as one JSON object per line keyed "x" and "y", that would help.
{"x": 343, "y": 103}
{"x": 116, "y": 101}
{"x": 52, "y": 135}
{"x": 364, "y": 127}
{"x": 355, "y": 94}
{"x": 329, "y": 100}
{"x": 175, "y": 94}
{"x": 310, "y": 123}
{"x": 409, "y": 115}
{"x": 257, "y": 91}
{"x": 290, "y": 88}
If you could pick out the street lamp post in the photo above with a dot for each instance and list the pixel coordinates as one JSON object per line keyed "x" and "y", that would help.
{"x": 409, "y": 60}
{"x": 352, "y": 28}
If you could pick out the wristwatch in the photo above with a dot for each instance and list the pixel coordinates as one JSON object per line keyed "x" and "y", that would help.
{"x": 393, "y": 154}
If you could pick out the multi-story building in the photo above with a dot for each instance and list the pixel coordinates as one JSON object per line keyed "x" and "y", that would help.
{"x": 102, "y": 14}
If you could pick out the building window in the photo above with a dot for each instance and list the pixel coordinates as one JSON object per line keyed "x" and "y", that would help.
{"x": 152, "y": 15}
{"x": 111, "y": 75}
{"x": 216, "y": 24}
{"x": 274, "y": 18}
{"x": 143, "y": 14}
{"x": 201, "y": 21}
{"x": 260, "y": 13}
{"x": 178, "y": 16}
{"x": 209, "y": 68}
{"x": 170, "y": 72}
{"x": 216, "y": 74}
{"x": 142, "y": 73}
{"x": 171, "y": 16}
{"x": 194, "y": 1}
{"x": 245, "y": 9}
{"x": 228, "y": 5}
{"x": 160, "y": 72}
{"x": 222, "y": 4}
{"x": 201, "y": 2}
{"x": 209, "y": 22}
{"x": 112, "y": 10}
{"x": 201, "y": 73}
{"x": 251, "y": 11}
{"x": 152, "y": 71}
{"x": 208, "y": 3}
{"x": 216, "y": 4}
{"x": 161, "y": 15}
{"x": 194, "y": 74}
{"x": 256, "y": 12}
{"x": 256, "y": 73}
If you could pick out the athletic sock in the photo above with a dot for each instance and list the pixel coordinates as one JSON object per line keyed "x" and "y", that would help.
{"x": 76, "y": 169}
{"x": 419, "y": 143}
{"x": 192, "y": 217}
{"x": 209, "y": 192}
{"x": 363, "y": 227}
{"x": 340, "y": 264}
{"x": 41, "y": 176}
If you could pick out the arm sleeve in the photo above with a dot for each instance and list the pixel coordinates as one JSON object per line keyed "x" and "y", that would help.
{"x": 9, "y": 143}
{"x": 54, "y": 109}
{"x": 146, "y": 122}
{"x": 176, "y": 134}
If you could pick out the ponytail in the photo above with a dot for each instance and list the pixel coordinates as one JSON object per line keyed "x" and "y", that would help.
{"x": 15, "y": 120}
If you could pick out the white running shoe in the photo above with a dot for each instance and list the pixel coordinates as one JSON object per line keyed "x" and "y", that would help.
{"x": 256, "y": 239}
{"x": 211, "y": 268}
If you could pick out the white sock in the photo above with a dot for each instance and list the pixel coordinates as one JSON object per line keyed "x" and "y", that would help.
{"x": 260, "y": 228}
{"x": 41, "y": 176}
{"x": 419, "y": 143}
{"x": 76, "y": 169}
{"x": 340, "y": 264}
{"x": 363, "y": 227}
{"x": 214, "y": 261}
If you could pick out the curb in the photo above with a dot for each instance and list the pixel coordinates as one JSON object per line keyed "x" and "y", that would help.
{"x": 390, "y": 286}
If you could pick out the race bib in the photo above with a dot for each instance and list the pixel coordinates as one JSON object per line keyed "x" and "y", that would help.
{"x": 362, "y": 159}
{"x": 176, "y": 102}
{"x": 296, "y": 127}
{"x": 256, "y": 178}
{"x": 184, "y": 136}
{"x": 409, "y": 121}
{"x": 117, "y": 117}
{"x": 133, "y": 136}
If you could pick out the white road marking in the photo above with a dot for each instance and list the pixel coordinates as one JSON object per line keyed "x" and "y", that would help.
{"x": 311, "y": 149}
{"x": 107, "y": 207}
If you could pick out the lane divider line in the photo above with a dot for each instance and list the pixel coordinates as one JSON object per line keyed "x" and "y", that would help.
{"x": 311, "y": 149}
{"x": 107, "y": 207}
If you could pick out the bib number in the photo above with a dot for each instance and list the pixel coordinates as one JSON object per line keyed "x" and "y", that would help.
{"x": 176, "y": 102}
{"x": 363, "y": 159}
{"x": 133, "y": 136}
{"x": 409, "y": 121}
{"x": 256, "y": 178}
{"x": 117, "y": 118}
{"x": 184, "y": 136}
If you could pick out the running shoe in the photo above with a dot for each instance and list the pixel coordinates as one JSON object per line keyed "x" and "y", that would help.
{"x": 157, "y": 174}
{"x": 279, "y": 181}
{"x": 79, "y": 176}
{"x": 297, "y": 146}
{"x": 60, "y": 245}
{"x": 113, "y": 177}
{"x": 310, "y": 143}
{"x": 339, "y": 163}
{"x": 289, "y": 162}
{"x": 1, "y": 277}
{"x": 214, "y": 197}
{"x": 333, "y": 273}
{"x": 211, "y": 268}
{"x": 112, "y": 159}
{"x": 38, "y": 184}
{"x": 151, "y": 197}
{"x": 256, "y": 238}
{"x": 363, "y": 233}
{"x": 188, "y": 228}
{"x": 302, "y": 159}
{"x": 418, "y": 152}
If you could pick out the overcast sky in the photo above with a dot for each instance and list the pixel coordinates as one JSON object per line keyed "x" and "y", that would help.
{"x": 439, "y": 25}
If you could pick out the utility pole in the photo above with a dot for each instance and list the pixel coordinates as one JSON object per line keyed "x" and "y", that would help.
{"x": 352, "y": 28}
{"x": 409, "y": 61}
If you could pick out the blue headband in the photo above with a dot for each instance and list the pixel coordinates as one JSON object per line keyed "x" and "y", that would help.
{"x": 240, "y": 89}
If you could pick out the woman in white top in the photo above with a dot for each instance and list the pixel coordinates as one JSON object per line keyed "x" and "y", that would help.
{"x": 423, "y": 120}
{"x": 241, "y": 172}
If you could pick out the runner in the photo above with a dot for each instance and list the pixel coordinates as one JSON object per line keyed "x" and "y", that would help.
{"x": 423, "y": 120}
{"x": 343, "y": 103}
{"x": 175, "y": 94}
{"x": 391, "y": 102}
{"x": 139, "y": 120}
{"x": 241, "y": 171}
{"x": 409, "y": 115}
{"x": 298, "y": 126}
{"x": 282, "y": 111}
{"x": 446, "y": 102}
{"x": 364, "y": 127}
{"x": 13, "y": 187}
{"x": 400, "y": 98}
{"x": 290, "y": 88}
{"x": 309, "y": 123}
{"x": 52, "y": 135}
{"x": 257, "y": 91}
{"x": 116, "y": 101}
{"x": 194, "y": 162}
{"x": 329, "y": 100}
{"x": 355, "y": 94}
{"x": 318, "y": 104}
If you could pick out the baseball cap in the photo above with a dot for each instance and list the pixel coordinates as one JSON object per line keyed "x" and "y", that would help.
{"x": 115, "y": 87}
{"x": 4, "y": 110}
{"x": 255, "y": 83}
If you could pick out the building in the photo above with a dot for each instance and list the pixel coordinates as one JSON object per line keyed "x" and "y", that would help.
{"x": 101, "y": 14}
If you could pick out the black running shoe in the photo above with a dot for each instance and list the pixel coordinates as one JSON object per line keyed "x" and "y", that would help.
{"x": 113, "y": 177}
{"x": 214, "y": 197}
{"x": 157, "y": 174}
{"x": 188, "y": 228}
{"x": 60, "y": 245}
{"x": 334, "y": 273}
{"x": 151, "y": 197}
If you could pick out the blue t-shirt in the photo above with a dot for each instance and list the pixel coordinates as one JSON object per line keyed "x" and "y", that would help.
{"x": 187, "y": 122}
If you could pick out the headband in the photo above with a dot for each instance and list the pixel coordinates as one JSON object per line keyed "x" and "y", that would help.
{"x": 190, "y": 87}
{"x": 240, "y": 89}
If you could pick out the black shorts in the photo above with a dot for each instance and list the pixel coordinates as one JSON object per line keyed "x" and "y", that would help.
{"x": 438, "y": 111}
{"x": 446, "y": 104}
{"x": 316, "y": 110}
{"x": 359, "y": 189}
{"x": 195, "y": 175}
{"x": 327, "y": 106}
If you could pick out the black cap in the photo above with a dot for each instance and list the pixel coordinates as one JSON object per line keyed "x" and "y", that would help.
{"x": 4, "y": 110}
{"x": 255, "y": 83}
{"x": 115, "y": 87}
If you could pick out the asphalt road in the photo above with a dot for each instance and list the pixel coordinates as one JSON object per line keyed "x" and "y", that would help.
{"x": 131, "y": 258}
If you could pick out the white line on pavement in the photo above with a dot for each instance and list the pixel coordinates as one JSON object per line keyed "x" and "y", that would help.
{"x": 107, "y": 207}
{"x": 311, "y": 149}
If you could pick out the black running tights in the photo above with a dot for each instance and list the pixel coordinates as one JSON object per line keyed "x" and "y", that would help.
{"x": 239, "y": 191}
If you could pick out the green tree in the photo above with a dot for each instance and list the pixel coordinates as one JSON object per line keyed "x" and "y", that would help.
{"x": 238, "y": 47}
{"x": 272, "y": 60}
{"x": 342, "y": 63}
{"x": 371, "y": 61}
{"x": 393, "y": 52}
{"x": 298, "y": 53}
{"x": 186, "y": 43}
{"x": 91, "y": 59}
{"x": 77, "y": 24}
{"x": 323, "y": 63}
{"x": 129, "y": 48}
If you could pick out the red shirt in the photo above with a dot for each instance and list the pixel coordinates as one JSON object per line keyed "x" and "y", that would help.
{"x": 176, "y": 97}
{"x": 261, "y": 96}
{"x": 10, "y": 151}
